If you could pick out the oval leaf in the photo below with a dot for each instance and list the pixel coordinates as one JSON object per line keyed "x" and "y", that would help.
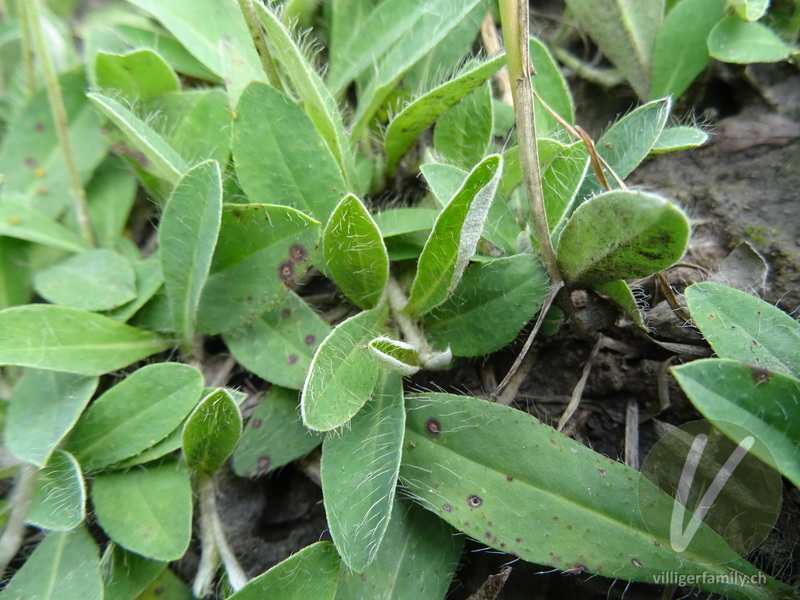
{"x": 59, "y": 502}
{"x": 212, "y": 432}
{"x": 20, "y": 220}
{"x": 736, "y": 41}
{"x": 139, "y": 74}
{"x": 622, "y": 235}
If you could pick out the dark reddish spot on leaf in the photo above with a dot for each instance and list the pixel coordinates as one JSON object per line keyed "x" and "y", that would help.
{"x": 519, "y": 540}
{"x": 555, "y": 517}
{"x": 39, "y": 127}
{"x": 433, "y": 426}
{"x": 310, "y": 339}
{"x": 466, "y": 523}
{"x": 488, "y": 535}
{"x": 30, "y": 162}
{"x": 603, "y": 472}
{"x": 577, "y": 569}
{"x": 292, "y": 359}
{"x": 286, "y": 272}
{"x": 363, "y": 577}
{"x": 446, "y": 507}
{"x": 553, "y": 442}
{"x": 286, "y": 313}
{"x": 569, "y": 527}
{"x": 489, "y": 524}
{"x": 297, "y": 253}
{"x": 502, "y": 544}
{"x": 656, "y": 543}
{"x": 255, "y": 423}
{"x": 636, "y": 563}
{"x": 249, "y": 299}
{"x": 262, "y": 463}
{"x": 158, "y": 591}
{"x": 509, "y": 478}
{"x": 474, "y": 501}
{"x": 760, "y": 375}
{"x": 237, "y": 214}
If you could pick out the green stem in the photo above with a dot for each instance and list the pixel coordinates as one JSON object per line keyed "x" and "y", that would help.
{"x": 260, "y": 42}
{"x": 27, "y": 47}
{"x": 21, "y": 500}
{"x": 60, "y": 120}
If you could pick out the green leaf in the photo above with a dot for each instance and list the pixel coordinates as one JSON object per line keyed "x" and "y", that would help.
{"x": 682, "y": 137}
{"x": 138, "y": 74}
{"x": 135, "y": 414}
{"x": 147, "y": 510}
{"x": 489, "y": 307}
{"x": 280, "y": 156}
{"x": 397, "y": 221}
{"x": 59, "y": 500}
{"x": 621, "y": 295}
{"x": 30, "y": 153}
{"x": 274, "y": 436}
{"x": 15, "y": 272}
{"x": 625, "y": 32}
{"x": 396, "y": 357}
{"x": 359, "y": 473}
{"x": 549, "y": 83}
{"x": 762, "y": 402}
{"x": 355, "y": 254}
{"x": 126, "y": 575}
{"x": 736, "y": 41}
{"x": 278, "y": 345}
{"x": 681, "y": 51}
{"x": 750, "y": 10}
{"x": 422, "y": 112}
{"x": 156, "y": 155}
{"x": 641, "y": 233}
{"x": 562, "y": 177}
{"x": 743, "y": 327}
{"x": 110, "y": 194}
{"x": 261, "y": 251}
{"x": 587, "y": 516}
{"x": 71, "y": 340}
{"x": 167, "y": 586}
{"x": 463, "y": 133}
{"x": 186, "y": 237}
{"x": 203, "y": 129}
{"x": 45, "y": 405}
{"x": 343, "y": 372}
{"x": 212, "y": 432}
{"x": 20, "y": 220}
{"x": 311, "y": 573}
{"x": 148, "y": 281}
{"x": 64, "y": 566}
{"x": 92, "y": 280}
{"x": 454, "y": 238}
{"x": 417, "y": 559}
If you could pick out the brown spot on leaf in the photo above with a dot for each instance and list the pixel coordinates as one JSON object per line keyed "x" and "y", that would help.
{"x": 30, "y": 162}
{"x": 292, "y": 359}
{"x": 237, "y": 213}
{"x": 297, "y": 253}
{"x": 433, "y": 426}
{"x": 256, "y": 423}
{"x": 509, "y": 478}
{"x": 603, "y": 472}
{"x": 555, "y": 517}
{"x": 262, "y": 463}
{"x": 286, "y": 313}
{"x": 474, "y": 501}
{"x": 286, "y": 272}
{"x": 363, "y": 577}
{"x": 636, "y": 563}
{"x": 158, "y": 591}
{"x": 760, "y": 375}
{"x": 39, "y": 127}
{"x": 446, "y": 507}
{"x": 310, "y": 339}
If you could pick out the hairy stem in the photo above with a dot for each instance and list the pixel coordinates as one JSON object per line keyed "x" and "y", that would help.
{"x": 60, "y": 119}
{"x": 260, "y": 42}
{"x": 21, "y": 500}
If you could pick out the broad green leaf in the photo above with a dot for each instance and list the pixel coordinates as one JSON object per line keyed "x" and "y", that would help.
{"x": 546, "y": 498}
{"x": 395, "y": 356}
{"x": 489, "y": 307}
{"x": 561, "y": 180}
{"x": 147, "y": 510}
{"x": 212, "y": 432}
{"x": 549, "y": 83}
{"x": 743, "y": 327}
{"x": 44, "y": 407}
{"x": 397, "y": 221}
{"x": 454, "y": 238}
{"x": 443, "y": 180}
{"x": 15, "y": 272}
{"x": 186, "y": 238}
{"x": 621, "y": 295}
{"x": 280, "y": 156}
{"x": 736, "y": 41}
{"x": 30, "y": 154}
{"x": 126, "y": 574}
{"x": 261, "y": 251}
{"x": 683, "y": 137}
{"x": 417, "y": 559}
{"x": 763, "y": 402}
{"x": 72, "y": 340}
{"x": 64, "y": 566}
{"x": 167, "y": 586}
{"x": 641, "y": 233}
{"x": 311, "y": 573}
{"x": 343, "y": 372}
{"x": 278, "y": 344}
{"x": 148, "y": 281}
{"x": 59, "y": 501}
{"x": 423, "y": 112}
{"x": 359, "y": 473}
{"x": 18, "y": 219}
{"x": 315, "y": 96}
{"x": 135, "y": 414}
{"x": 110, "y": 194}
{"x": 154, "y": 155}
{"x": 625, "y": 32}
{"x": 463, "y": 133}
{"x": 274, "y": 436}
{"x": 92, "y": 280}
{"x": 681, "y": 52}
{"x": 139, "y": 74}
{"x": 203, "y": 129}
{"x": 750, "y": 10}
{"x": 355, "y": 254}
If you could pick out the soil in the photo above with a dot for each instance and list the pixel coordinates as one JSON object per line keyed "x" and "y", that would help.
{"x": 741, "y": 186}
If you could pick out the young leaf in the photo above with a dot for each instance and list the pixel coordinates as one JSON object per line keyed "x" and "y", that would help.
{"x": 417, "y": 559}
{"x": 111, "y": 194}
{"x": 359, "y": 473}
{"x": 64, "y": 566}
{"x": 135, "y": 414}
{"x": 642, "y": 233}
{"x": 396, "y": 357}
{"x": 743, "y": 327}
{"x": 92, "y": 280}
{"x": 549, "y": 83}
{"x": 187, "y": 236}
{"x": 280, "y": 156}
{"x": 126, "y": 575}
{"x": 261, "y": 251}
{"x": 167, "y": 586}
{"x": 157, "y": 156}
{"x": 761, "y": 401}
{"x": 203, "y": 129}
{"x": 397, "y": 221}
{"x": 212, "y": 432}
{"x": 454, "y": 238}
{"x": 71, "y": 340}
{"x": 681, "y": 51}
{"x": 355, "y": 254}
{"x": 561, "y": 179}
{"x": 20, "y": 220}
{"x": 750, "y": 10}
{"x": 682, "y": 137}
{"x": 311, "y": 573}
{"x": 15, "y": 274}
{"x": 343, "y": 372}
{"x": 44, "y": 407}
{"x": 146, "y": 510}
{"x": 463, "y": 133}
{"x": 59, "y": 501}
{"x": 278, "y": 345}
{"x": 489, "y": 307}
{"x": 149, "y": 279}
{"x": 422, "y": 112}
{"x": 620, "y": 294}
{"x": 736, "y": 41}
{"x": 274, "y": 435}
{"x": 139, "y": 74}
